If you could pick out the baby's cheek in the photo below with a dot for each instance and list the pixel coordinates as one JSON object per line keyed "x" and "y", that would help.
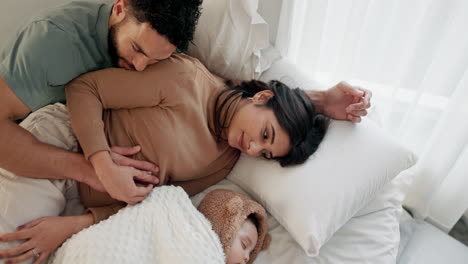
{"x": 235, "y": 254}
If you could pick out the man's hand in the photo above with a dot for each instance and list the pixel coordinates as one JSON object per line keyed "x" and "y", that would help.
{"x": 42, "y": 236}
{"x": 346, "y": 102}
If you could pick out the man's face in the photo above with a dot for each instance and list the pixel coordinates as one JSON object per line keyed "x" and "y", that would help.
{"x": 134, "y": 45}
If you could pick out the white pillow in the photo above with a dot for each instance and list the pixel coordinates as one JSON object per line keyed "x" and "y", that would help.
{"x": 366, "y": 239}
{"x": 312, "y": 201}
{"x": 373, "y": 234}
{"x": 232, "y": 40}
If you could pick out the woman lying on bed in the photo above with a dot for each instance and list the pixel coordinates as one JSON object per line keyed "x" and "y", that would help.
{"x": 187, "y": 122}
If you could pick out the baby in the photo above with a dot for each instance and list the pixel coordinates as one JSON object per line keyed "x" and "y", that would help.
{"x": 240, "y": 222}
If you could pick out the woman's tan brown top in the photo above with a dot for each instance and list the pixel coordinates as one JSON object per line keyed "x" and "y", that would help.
{"x": 166, "y": 109}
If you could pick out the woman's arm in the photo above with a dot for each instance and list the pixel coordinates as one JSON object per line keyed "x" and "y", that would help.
{"x": 87, "y": 97}
{"x": 90, "y": 94}
{"x": 104, "y": 212}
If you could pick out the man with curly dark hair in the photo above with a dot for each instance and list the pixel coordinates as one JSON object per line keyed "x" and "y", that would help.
{"x": 156, "y": 26}
{"x": 64, "y": 42}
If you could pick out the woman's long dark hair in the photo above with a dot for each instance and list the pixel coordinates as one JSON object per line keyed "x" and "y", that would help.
{"x": 293, "y": 109}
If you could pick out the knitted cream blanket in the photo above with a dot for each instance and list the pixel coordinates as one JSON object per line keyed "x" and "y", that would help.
{"x": 164, "y": 228}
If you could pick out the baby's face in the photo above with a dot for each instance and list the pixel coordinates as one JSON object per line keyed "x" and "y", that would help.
{"x": 243, "y": 243}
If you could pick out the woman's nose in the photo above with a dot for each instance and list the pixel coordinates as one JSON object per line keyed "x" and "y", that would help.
{"x": 254, "y": 149}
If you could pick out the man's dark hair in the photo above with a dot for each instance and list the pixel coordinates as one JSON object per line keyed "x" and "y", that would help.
{"x": 174, "y": 19}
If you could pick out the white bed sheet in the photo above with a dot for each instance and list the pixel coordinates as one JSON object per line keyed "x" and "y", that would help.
{"x": 422, "y": 243}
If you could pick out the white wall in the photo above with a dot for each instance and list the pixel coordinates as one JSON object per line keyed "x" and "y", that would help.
{"x": 270, "y": 11}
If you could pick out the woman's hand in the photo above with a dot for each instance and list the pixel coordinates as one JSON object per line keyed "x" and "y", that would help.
{"x": 120, "y": 181}
{"x": 120, "y": 156}
{"x": 42, "y": 236}
{"x": 346, "y": 102}
{"x": 342, "y": 102}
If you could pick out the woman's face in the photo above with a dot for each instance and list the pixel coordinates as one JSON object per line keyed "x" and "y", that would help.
{"x": 243, "y": 244}
{"x": 255, "y": 131}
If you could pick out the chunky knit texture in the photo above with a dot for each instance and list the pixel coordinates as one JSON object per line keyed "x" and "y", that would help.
{"x": 227, "y": 211}
{"x": 164, "y": 228}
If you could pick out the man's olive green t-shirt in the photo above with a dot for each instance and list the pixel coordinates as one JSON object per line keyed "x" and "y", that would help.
{"x": 55, "y": 47}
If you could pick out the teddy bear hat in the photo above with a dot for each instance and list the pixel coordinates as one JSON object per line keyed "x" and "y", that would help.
{"x": 227, "y": 211}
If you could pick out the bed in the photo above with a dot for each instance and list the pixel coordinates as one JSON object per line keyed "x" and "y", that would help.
{"x": 379, "y": 230}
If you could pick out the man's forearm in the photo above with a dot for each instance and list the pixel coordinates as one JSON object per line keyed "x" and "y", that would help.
{"x": 22, "y": 154}
{"x": 318, "y": 98}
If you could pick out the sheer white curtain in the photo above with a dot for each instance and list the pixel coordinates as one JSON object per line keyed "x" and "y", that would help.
{"x": 413, "y": 55}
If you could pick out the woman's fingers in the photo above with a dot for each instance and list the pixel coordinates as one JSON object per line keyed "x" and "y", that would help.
{"x": 367, "y": 96}
{"x": 146, "y": 177}
{"x": 126, "y": 151}
{"x": 140, "y": 165}
{"x": 359, "y": 113}
{"x": 354, "y": 119}
{"x": 41, "y": 258}
{"x": 30, "y": 224}
{"x": 20, "y": 258}
{"x": 350, "y": 89}
{"x": 355, "y": 109}
{"x": 119, "y": 156}
{"x": 144, "y": 190}
{"x": 140, "y": 193}
{"x": 19, "y": 235}
{"x": 26, "y": 246}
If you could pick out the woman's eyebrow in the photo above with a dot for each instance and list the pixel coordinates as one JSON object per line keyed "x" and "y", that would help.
{"x": 273, "y": 134}
{"x": 272, "y": 139}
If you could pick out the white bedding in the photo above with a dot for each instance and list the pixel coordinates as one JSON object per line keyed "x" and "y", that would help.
{"x": 164, "y": 228}
{"x": 372, "y": 237}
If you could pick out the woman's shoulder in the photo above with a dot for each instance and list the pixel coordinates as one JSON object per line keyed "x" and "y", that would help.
{"x": 179, "y": 63}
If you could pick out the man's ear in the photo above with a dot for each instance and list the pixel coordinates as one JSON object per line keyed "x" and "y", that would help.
{"x": 262, "y": 97}
{"x": 119, "y": 11}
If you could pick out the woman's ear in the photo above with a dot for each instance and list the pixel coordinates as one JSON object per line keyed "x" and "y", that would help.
{"x": 262, "y": 97}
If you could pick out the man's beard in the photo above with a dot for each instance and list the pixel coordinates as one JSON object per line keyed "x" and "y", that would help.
{"x": 112, "y": 43}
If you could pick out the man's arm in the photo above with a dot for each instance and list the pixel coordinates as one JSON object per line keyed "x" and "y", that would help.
{"x": 22, "y": 154}
{"x": 29, "y": 76}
